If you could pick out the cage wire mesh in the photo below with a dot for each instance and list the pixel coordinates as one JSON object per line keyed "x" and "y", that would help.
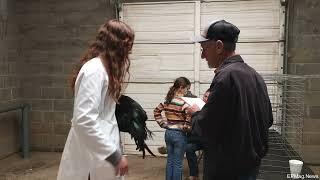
{"x": 285, "y": 136}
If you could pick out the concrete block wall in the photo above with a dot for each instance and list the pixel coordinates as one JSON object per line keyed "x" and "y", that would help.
{"x": 52, "y": 35}
{"x": 304, "y": 59}
{"x": 9, "y": 81}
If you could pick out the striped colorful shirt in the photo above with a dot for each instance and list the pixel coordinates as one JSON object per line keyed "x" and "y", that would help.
{"x": 175, "y": 115}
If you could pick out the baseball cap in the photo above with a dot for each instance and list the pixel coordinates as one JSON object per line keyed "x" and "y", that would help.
{"x": 219, "y": 30}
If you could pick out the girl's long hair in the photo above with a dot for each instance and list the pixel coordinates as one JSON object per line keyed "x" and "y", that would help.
{"x": 113, "y": 45}
{"x": 179, "y": 82}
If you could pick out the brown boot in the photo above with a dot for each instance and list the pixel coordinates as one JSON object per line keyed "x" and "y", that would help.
{"x": 193, "y": 178}
{"x": 162, "y": 150}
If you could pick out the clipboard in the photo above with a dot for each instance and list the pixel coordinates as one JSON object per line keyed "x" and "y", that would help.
{"x": 191, "y": 101}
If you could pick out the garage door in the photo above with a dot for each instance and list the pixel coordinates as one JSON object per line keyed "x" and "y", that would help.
{"x": 163, "y": 50}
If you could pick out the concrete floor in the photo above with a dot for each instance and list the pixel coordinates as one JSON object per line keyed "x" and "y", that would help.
{"x": 44, "y": 166}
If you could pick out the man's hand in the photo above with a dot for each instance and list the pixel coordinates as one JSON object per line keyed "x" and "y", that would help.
{"x": 122, "y": 167}
{"x": 192, "y": 109}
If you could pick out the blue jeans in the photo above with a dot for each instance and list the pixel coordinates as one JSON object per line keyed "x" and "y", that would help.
{"x": 192, "y": 157}
{"x": 176, "y": 144}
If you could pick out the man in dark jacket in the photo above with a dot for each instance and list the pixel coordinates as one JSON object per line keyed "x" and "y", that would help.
{"x": 235, "y": 120}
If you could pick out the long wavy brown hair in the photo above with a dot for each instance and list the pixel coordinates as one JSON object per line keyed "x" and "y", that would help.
{"x": 113, "y": 44}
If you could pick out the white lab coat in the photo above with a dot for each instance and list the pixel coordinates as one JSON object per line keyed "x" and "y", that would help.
{"x": 94, "y": 134}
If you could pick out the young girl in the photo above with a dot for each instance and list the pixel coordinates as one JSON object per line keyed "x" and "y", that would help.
{"x": 92, "y": 150}
{"x": 176, "y": 124}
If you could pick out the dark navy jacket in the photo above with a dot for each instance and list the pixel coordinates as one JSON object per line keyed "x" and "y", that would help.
{"x": 234, "y": 123}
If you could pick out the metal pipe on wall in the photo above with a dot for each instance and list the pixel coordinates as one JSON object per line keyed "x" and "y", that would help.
{"x": 288, "y": 4}
{"x": 286, "y": 41}
{"x": 3, "y": 18}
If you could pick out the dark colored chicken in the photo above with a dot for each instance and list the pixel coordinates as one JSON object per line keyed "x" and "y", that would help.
{"x": 132, "y": 118}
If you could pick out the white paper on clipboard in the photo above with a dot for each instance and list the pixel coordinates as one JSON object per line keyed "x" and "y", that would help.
{"x": 191, "y": 101}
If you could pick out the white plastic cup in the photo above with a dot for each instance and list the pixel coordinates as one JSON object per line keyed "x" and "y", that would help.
{"x": 295, "y": 166}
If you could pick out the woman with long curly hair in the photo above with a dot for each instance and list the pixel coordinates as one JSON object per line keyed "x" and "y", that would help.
{"x": 92, "y": 150}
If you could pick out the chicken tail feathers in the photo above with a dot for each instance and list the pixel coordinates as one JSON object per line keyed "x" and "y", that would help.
{"x": 132, "y": 118}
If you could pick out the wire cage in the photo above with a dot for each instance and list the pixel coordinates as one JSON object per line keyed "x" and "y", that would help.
{"x": 285, "y": 136}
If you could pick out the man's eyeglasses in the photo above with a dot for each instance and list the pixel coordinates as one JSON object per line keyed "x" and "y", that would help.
{"x": 205, "y": 45}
